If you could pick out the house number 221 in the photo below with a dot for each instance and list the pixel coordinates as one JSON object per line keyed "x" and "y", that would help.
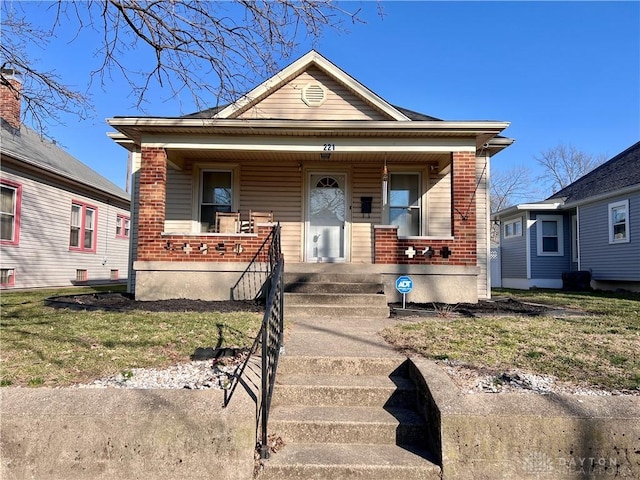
{"x": 329, "y": 147}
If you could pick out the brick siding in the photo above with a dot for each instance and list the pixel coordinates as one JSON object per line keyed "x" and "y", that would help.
{"x": 389, "y": 249}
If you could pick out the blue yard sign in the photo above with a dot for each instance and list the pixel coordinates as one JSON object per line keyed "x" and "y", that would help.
{"x": 404, "y": 285}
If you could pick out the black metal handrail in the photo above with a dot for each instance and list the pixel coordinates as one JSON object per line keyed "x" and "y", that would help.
{"x": 272, "y": 333}
{"x": 269, "y": 337}
{"x": 252, "y": 282}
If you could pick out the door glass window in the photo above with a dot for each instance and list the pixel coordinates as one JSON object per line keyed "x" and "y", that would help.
{"x": 404, "y": 203}
{"x": 326, "y": 219}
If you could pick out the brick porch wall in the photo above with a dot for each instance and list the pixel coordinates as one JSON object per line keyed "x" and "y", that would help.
{"x": 389, "y": 249}
{"x": 155, "y": 246}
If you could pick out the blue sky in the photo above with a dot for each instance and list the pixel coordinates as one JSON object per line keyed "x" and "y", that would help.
{"x": 560, "y": 72}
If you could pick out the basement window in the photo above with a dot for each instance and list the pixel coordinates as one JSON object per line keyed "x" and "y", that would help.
{"x": 81, "y": 275}
{"x": 7, "y": 277}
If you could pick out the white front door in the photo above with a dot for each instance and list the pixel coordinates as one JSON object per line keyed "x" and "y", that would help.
{"x": 326, "y": 217}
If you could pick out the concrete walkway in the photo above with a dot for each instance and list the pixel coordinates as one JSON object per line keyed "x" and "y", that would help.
{"x": 339, "y": 337}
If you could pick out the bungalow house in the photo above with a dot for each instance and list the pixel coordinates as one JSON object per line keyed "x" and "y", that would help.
{"x": 592, "y": 225}
{"x": 356, "y": 184}
{"x": 61, "y": 223}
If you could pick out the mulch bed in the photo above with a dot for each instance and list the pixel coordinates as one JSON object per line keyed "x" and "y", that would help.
{"x": 124, "y": 302}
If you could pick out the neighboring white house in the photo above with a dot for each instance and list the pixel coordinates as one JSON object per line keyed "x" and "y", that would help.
{"x": 592, "y": 225}
{"x": 61, "y": 223}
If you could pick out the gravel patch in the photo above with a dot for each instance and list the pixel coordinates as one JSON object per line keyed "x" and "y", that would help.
{"x": 472, "y": 380}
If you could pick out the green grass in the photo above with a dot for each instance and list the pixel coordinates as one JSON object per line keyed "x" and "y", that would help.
{"x": 600, "y": 347}
{"x": 46, "y": 346}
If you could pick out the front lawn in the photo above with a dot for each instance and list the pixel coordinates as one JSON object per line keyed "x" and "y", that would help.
{"x": 600, "y": 347}
{"x": 45, "y": 346}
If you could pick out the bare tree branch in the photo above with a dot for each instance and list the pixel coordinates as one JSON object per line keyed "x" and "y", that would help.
{"x": 212, "y": 51}
{"x": 564, "y": 164}
{"x": 510, "y": 187}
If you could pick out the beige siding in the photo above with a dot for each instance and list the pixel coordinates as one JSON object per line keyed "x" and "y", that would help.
{"x": 180, "y": 198}
{"x": 287, "y": 103}
{"x": 276, "y": 188}
{"x": 439, "y": 204}
{"x": 482, "y": 225}
{"x": 136, "y": 163}
{"x": 43, "y": 258}
{"x": 367, "y": 182}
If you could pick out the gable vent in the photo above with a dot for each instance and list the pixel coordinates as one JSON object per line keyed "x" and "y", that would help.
{"x": 314, "y": 95}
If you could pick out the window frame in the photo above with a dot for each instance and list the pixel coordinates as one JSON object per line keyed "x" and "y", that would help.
{"x": 559, "y": 235}
{"x": 610, "y": 208}
{"x": 212, "y": 169}
{"x": 124, "y": 231}
{"x": 11, "y": 277}
{"x": 17, "y": 208}
{"x": 417, "y": 205}
{"x": 83, "y": 227}
{"x": 509, "y": 223}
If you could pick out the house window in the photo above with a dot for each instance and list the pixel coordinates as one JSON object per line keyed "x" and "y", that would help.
{"x": 619, "y": 222}
{"x": 123, "y": 226}
{"x": 404, "y": 203}
{"x": 216, "y": 196}
{"x": 513, "y": 228}
{"x": 7, "y": 277}
{"x": 10, "y": 200}
{"x": 83, "y": 227}
{"x": 550, "y": 235}
{"x": 574, "y": 238}
{"x": 81, "y": 275}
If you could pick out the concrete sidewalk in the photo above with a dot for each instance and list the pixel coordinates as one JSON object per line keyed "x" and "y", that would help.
{"x": 339, "y": 337}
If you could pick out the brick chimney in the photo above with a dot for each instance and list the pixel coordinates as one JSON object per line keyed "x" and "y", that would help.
{"x": 10, "y": 97}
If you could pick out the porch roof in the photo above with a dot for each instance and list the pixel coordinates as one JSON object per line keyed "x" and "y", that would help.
{"x": 131, "y": 130}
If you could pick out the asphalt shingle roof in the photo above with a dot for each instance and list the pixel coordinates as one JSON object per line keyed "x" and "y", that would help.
{"x": 621, "y": 171}
{"x": 27, "y": 146}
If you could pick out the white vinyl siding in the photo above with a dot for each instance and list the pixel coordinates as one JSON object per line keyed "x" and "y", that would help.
{"x": 43, "y": 258}
{"x": 287, "y": 102}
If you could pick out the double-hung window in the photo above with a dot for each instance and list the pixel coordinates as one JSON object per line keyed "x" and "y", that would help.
{"x": 10, "y": 198}
{"x": 404, "y": 203}
{"x": 216, "y": 195}
{"x": 619, "y": 222}
{"x": 123, "y": 226}
{"x": 550, "y": 235}
{"x": 83, "y": 227}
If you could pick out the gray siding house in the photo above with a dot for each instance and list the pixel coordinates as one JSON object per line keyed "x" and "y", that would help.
{"x": 592, "y": 225}
{"x": 61, "y": 223}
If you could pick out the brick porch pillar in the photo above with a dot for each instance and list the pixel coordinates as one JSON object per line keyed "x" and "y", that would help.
{"x": 151, "y": 208}
{"x": 463, "y": 200}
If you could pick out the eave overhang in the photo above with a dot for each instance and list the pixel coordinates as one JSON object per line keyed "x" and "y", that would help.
{"x": 526, "y": 207}
{"x": 132, "y": 130}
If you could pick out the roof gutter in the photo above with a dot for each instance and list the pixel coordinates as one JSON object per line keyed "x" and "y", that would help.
{"x": 178, "y": 123}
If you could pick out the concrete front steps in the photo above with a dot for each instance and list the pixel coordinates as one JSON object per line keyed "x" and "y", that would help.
{"x": 347, "y": 418}
{"x": 327, "y": 294}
